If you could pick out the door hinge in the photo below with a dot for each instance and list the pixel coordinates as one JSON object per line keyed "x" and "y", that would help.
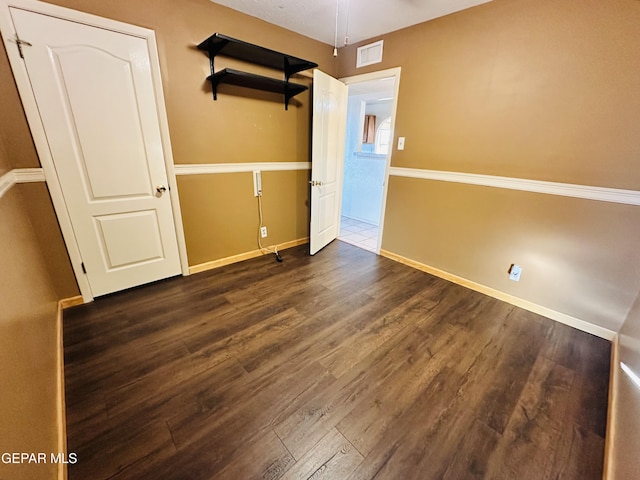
{"x": 84, "y": 269}
{"x": 20, "y": 43}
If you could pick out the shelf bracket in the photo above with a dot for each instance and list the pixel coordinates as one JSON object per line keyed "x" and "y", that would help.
{"x": 287, "y": 97}
{"x": 214, "y": 88}
{"x": 287, "y": 69}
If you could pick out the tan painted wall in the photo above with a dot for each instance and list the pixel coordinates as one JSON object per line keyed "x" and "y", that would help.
{"x": 14, "y": 130}
{"x": 28, "y": 301}
{"x": 4, "y": 160}
{"x": 242, "y": 126}
{"x": 219, "y": 228}
{"x": 248, "y": 127}
{"x": 17, "y": 151}
{"x": 477, "y": 232}
{"x": 534, "y": 89}
{"x": 47, "y": 230}
{"x": 27, "y": 344}
{"x": 544, "y": 90}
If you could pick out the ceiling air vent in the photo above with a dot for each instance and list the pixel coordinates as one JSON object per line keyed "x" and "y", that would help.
{"x": 369, "y": 54}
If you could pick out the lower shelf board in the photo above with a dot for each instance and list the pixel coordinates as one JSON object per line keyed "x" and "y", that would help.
{"x": 258, "y": 82}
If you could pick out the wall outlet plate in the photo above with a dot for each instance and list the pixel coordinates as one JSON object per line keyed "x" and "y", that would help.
{"x": 263, "y": 232}
{"x": 514, "y": 272}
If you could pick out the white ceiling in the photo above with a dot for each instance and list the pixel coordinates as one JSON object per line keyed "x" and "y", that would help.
{"x": 366, "y": 18}
{"x": 373, "y": 91}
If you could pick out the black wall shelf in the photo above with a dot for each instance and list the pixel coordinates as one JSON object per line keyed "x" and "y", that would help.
{"x": 250, "y": 80}
{"x": 218, "y": 44}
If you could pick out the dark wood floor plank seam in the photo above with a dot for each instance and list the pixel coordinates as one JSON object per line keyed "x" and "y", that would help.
{"x": 352, "y": 444}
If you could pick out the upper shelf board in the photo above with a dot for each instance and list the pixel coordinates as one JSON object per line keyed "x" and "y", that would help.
{"x": 219, "y": 44}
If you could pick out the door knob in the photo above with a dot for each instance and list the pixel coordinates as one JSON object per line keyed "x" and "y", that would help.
{"x": 315, "y": 183}
{"x": 161, "y": 189}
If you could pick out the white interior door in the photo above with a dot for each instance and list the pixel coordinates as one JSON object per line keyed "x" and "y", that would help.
{"x": 327, "y": 155}
{"x": 95, "y": 96}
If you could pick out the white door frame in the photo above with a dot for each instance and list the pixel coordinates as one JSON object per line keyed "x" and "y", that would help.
{"x": 366, "y": 77}
{"x": 38, "y": 133}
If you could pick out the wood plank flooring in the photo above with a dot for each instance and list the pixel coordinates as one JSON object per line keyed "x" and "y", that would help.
{"x": 340, "y": 366}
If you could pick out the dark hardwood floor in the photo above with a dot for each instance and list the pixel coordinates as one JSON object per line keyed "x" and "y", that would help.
{"x": 344, "y": 365}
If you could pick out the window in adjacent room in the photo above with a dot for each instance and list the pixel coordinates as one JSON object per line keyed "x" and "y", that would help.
{"x": 383, "y": 136}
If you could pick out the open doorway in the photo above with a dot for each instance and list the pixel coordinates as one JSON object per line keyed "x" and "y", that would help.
{"x": 368, "y": 147}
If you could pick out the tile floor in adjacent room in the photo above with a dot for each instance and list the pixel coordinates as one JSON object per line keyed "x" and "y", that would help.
{"x": 360, "y": 234}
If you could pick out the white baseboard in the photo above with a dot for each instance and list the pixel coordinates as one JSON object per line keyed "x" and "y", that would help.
{"x": 203, "y": 267}
{"x": 61, "y": 416}
{"x": 614, "y": 373}
{"x": 71, "y": 302}
{"x": 505, "y": 297}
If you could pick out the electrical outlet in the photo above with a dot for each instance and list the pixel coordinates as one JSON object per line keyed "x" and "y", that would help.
{"x": 263, "y": 232}
{"x": 257, "y": 183}
{"x": 514, "y": 272}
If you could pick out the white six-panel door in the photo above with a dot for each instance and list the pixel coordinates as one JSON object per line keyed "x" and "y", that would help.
{"x": 329, "y": 130}
{"x": 95, "y": 97}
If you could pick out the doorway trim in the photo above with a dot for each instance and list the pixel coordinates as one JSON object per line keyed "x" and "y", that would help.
{"x": 366, "y": 77}
{"x": 27, "y": 97}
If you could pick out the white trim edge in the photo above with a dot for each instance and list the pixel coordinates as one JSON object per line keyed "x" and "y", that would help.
{"x": 7, "y": 181}
{"x": 602, "y": 194}
{"x": 20, "y": 175}
{"x": 208, "y": 168}
{"x": 560, "y": 317}
{"x": 29, "y": 175}
{"x": 612, "y": 410}
{"x": 61, "y": 416}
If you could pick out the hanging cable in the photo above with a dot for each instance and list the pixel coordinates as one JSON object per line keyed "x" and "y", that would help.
{"x": 346, "y": 33}
{"x": 265, "y": 250}
{"x": 335, "y": 40}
